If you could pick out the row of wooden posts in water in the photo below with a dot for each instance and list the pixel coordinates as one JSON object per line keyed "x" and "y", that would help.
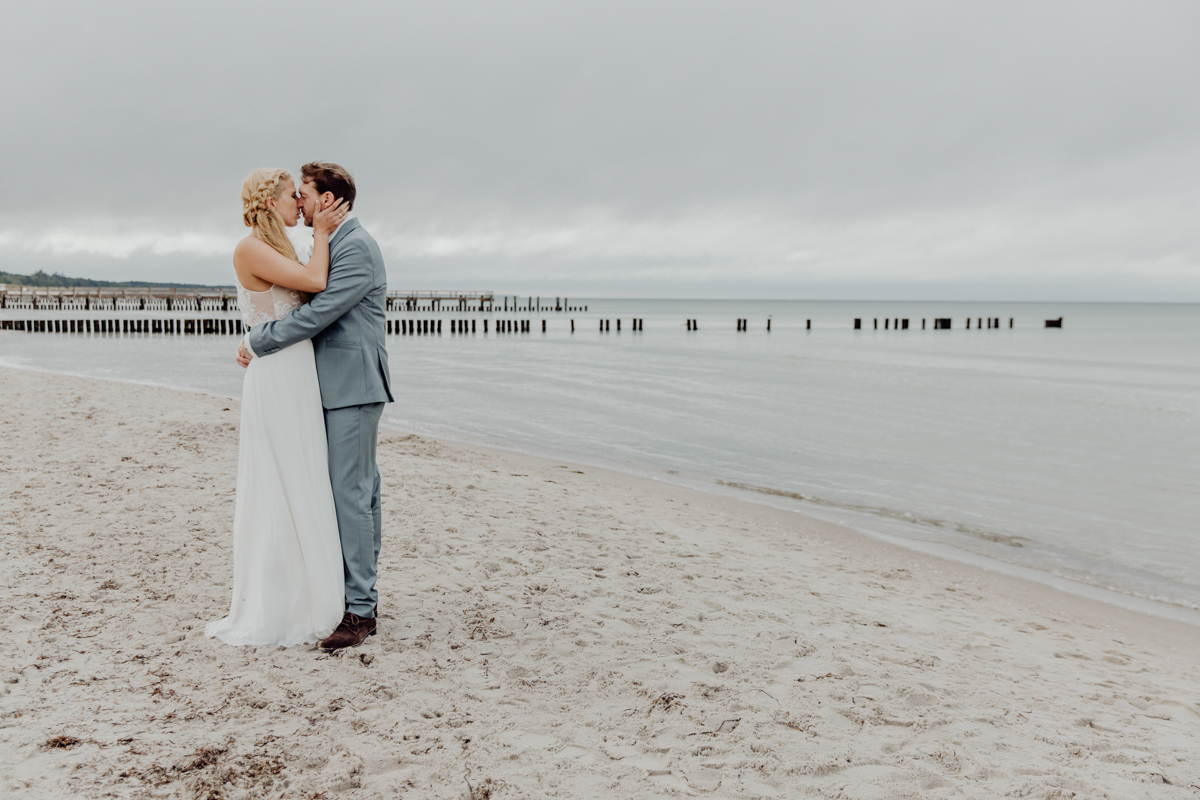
{"x": 422, "y": 327}
{"x": 416, "y": 327}
{"x": 225, "y": 300}
{"x": 743, "y": 325}
{"x": 179, "y": 327}
{"x": 419, "y": 327}
{"x": 939, "y": 323}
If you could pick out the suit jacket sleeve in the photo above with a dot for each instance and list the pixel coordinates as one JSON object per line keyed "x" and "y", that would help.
{"x": 350, "y": 278}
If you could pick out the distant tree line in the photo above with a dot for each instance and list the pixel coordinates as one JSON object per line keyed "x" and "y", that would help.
{"x": 40, "y": 278}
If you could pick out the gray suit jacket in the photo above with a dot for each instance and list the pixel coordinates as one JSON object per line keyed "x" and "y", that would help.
{"x": 345, "y": 323}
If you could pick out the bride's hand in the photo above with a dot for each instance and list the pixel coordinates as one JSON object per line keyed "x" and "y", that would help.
{"x": 326, "y": 220}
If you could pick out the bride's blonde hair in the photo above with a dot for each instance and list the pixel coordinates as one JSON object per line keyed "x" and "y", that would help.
{"x": 261, "y": 186}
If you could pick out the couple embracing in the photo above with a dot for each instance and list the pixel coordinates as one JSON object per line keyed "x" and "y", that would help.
{"x": 306, "y": 528}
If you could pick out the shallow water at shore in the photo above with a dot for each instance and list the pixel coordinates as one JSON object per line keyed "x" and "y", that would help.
{"x": 1070, "y": 451}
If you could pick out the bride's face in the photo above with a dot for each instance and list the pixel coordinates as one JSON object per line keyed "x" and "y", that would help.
{"x": 288, "y": 203}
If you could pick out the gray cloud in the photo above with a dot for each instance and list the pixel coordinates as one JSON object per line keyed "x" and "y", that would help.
{"x": 680, "y": 148}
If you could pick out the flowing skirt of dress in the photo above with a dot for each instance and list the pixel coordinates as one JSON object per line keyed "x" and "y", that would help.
{"x": 288, "y": 584}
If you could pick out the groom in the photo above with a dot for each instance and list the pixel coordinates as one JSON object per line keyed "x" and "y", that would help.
{"x": 346, "y": 325}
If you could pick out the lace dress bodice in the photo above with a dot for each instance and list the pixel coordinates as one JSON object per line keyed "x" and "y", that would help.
{"x": 275, "y": 303}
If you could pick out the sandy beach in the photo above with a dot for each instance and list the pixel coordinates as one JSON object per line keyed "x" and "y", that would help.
{"x": 546, "y": 630}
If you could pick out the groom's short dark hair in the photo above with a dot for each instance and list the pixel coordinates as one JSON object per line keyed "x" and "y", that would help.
{"x": 330, "y": 177}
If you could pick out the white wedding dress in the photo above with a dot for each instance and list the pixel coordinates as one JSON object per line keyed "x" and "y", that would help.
{"x": 288, "y": 586}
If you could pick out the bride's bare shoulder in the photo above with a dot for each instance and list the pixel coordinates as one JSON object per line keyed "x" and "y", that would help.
{"x": 249, "y": 247}
{"x": 251, "y": 242}
{"x": 248, "y": 259}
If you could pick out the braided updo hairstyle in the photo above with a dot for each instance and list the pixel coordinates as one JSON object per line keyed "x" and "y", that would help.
{"x": 263, "y": 185}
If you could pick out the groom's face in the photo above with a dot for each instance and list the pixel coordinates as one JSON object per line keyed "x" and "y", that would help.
{"x": 312, "y": 201}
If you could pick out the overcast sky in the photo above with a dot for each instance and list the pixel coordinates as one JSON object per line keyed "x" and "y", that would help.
{"x": 942, "y": 150}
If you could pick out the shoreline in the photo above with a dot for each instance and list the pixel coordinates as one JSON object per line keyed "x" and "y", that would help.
{"x": 1041, "y": 588}
{"x": 1127, "y": 600}
{"x": 545, "y": 631}
{"x": 716, "y": 488}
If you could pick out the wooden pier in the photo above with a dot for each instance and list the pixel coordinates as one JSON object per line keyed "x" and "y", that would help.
{"x": 105, "y": 298}
{"x": 220, "y": 298}
{"x": 109, "y": 310}
{"x": 420, "y": 300}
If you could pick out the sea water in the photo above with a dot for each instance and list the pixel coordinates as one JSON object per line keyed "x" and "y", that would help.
{"x": 1070, "y": 451}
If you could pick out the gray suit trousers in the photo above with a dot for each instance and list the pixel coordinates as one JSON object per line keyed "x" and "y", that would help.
{"x": 352, "y": 432}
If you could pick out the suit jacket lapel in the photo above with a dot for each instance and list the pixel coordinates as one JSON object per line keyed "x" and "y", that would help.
{"x": 349, "y": 226}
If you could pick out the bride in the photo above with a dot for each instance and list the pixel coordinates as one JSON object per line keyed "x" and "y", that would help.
{"x": 288, "y": 586}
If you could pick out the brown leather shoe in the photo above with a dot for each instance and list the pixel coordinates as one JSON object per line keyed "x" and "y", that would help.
{"x": 350, "y": 633}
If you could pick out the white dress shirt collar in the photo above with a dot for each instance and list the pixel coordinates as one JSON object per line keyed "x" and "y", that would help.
{"x": 308, "y": 245}
{"x": 349, "y": 216}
